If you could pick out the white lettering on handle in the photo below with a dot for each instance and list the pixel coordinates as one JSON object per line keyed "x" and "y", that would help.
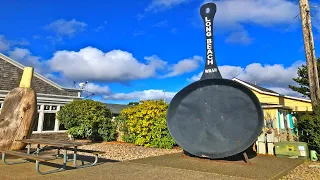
{"x": 210, "y": 70}
{"x": 209, "y": 41}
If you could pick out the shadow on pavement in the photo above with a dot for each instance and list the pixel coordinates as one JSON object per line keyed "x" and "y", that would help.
{"x": 238, "y": 157}
{"x": 57, "y": 163}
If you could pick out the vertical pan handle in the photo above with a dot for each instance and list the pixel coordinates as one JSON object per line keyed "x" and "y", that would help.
{"x": 211, "y": 71}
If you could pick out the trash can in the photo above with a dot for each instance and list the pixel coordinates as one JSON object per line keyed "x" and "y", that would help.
{"x": 313, "y": 155}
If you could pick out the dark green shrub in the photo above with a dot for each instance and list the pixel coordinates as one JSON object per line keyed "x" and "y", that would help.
{"x": 145, "y": 124}
{"x": 87, "y": 119}
{"x": 308, "y": 125}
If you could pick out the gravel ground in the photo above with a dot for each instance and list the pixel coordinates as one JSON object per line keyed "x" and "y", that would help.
{"x": 307, "y": 171}
{"x": 125, "y": 151}
{"x": 120, "y": 151}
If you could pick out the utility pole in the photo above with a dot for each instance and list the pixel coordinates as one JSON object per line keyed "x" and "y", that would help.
{"x": 310, "y": 52}
{"x": 164, "y": 95}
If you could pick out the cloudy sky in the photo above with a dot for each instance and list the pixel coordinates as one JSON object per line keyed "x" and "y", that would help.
{"x": 135, "y": 50}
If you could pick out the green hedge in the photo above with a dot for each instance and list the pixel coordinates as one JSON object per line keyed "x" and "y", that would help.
{"x": 145, "y": 124}
{"x": 87, "y": 119}
{"x": 308, "y": 125}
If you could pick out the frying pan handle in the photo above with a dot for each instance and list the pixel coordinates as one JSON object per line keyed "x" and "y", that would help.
{"x": 211, "y": 71}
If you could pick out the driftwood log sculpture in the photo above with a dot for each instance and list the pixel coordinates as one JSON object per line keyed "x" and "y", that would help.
{"x": 18, "y": 113}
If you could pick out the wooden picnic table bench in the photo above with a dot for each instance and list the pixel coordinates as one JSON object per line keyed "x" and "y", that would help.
{"x": 53, "y": 144}
{"x": 36, "y": 157}
{"x": 81, "y": 150}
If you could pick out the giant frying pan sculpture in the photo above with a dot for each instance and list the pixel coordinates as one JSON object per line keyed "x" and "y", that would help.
{"x": 214, "y": 117}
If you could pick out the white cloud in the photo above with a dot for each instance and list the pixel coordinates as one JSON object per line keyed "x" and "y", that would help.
{"x": 64, "y": 82}
{"x": 4, "y": 43}
{"x": 138, "y": 33}
{"x": 161, "y": 24}
{"x": 140, "y": 16}
{"x": 101, "y": 27}
{"x": 195, "y": 77}
{"x": 155, "y": 61}
{"x": 97, "y": 89}
{"x": 229, "y": 72}
{"x": 162, "y": 5}
{"x": 36, "y": 37}
{"x": 22, "y": 42}
{"x": 275, "y": 76}
{"x": 270, "y": 75}
{"x": 54, "y": 39}
{"x": 232, "y": 15}
{"x": 239, "y": 37}
{"x": 185, "y": 66}
{"x": 235, "y": 13}
{"x": 94, "y": 65}
{"x": 285, "y": 91}
{"x": 63, "y": 27}
{"x": 25, "y": 57}
{"x": 151, "y": 94}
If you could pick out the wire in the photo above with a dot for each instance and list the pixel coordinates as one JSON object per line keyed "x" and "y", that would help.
{"x": 284, "y": 29}
{"x": 267, "y": 46}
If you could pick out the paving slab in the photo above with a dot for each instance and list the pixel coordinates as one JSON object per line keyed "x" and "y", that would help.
{"x": 107, "y": 169}
{"x": 166, "y": 167}
{"x": 261, "y": 167}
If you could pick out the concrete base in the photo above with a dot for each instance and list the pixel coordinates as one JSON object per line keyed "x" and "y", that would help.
{"x": 261, "y": 167}
{"x": 166, "y": 167}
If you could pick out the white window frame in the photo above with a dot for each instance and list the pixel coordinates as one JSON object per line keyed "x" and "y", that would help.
{"x": 41, "y": 119}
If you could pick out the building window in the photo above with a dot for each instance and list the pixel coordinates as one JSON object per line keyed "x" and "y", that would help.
{"x": 47, "y": 108}
{"x": 49, "y": 121}
{"x": 35, "y": 125}
{"x": 46, "y": 118}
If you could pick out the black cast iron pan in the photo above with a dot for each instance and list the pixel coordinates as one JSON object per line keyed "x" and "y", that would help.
{"x": 214, "y": 117}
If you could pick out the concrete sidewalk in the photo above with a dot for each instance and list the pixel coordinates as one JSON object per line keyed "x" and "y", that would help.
{"x": 166, "y": 167}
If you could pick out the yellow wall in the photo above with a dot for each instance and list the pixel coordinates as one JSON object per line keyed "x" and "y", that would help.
{"x": 296, "y": 105}
{"x": 263, "y": 98}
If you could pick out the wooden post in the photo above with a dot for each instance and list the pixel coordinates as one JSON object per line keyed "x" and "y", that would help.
{"x": 17, "y": 114}
{"x": 26, "y": 79}
{"x": 310, "y": 52}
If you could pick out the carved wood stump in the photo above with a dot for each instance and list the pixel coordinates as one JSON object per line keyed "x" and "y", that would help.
{"x": 18, "y": 113}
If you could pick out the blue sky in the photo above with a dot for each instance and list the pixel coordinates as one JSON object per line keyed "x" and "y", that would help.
{"x": 132, "y": 50}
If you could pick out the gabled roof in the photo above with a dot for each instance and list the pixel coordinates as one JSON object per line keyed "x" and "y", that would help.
{"x": 267, "y": 91}
{"x": 259, "y": 87}
{"x": 116, "y": 108}
{"x": 15, "y": 63}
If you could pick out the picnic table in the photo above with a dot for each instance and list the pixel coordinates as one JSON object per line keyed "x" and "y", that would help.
{"x": 49, "y": 145}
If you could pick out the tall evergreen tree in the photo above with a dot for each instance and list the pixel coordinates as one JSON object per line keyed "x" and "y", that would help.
{"x": 303, "y": 81}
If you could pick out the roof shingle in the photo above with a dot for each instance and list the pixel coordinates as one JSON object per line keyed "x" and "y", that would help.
{"x": 258, "y": 87}
{"x": 116, "y": 108}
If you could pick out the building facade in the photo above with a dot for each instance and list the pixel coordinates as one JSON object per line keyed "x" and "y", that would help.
{"x": 50, "y": 96}
{"x": 278, "y": 109}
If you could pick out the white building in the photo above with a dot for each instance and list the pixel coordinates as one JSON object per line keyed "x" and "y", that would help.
{"x": 50, "y": 96}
